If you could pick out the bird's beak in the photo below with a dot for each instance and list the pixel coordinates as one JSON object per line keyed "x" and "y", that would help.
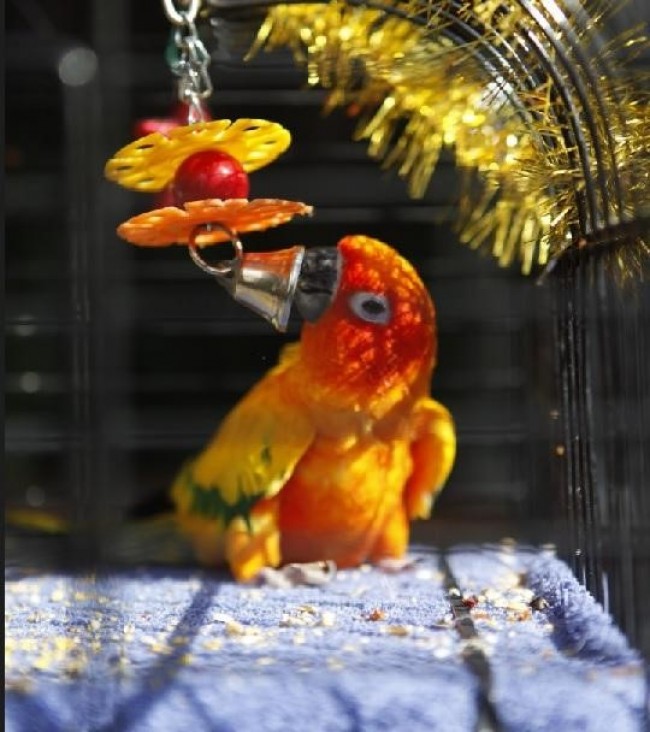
{"x": 320, "y": 273}
{"x": 270, "y": 282}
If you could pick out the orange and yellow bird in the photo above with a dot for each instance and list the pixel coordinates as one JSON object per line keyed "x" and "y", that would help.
{"x": 339, "y": 446}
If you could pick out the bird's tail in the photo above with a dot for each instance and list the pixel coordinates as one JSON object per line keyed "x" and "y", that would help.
{"x": 37, "y": 521}
{"x": 153, "y": 539}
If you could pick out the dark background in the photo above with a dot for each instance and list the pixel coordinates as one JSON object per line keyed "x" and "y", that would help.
{"x": 121, "y": 362}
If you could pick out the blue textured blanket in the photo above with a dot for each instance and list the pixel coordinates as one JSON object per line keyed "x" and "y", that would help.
{"x": 501, "y": 635}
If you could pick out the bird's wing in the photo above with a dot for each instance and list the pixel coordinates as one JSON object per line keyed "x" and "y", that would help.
{"x": 250, "y": 457}
{"x": 224, "y": 496}
{"x": 433, "y": 450}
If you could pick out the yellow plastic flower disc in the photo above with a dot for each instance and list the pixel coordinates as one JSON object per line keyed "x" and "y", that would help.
{"x": 150, "y": 163}
{"x": 172, "y": 225}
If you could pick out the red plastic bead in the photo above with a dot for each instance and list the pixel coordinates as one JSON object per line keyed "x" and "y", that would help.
{"x": 179, "y": 116}
{"x": 165, "y": 198}
{"x": 145, "y": 127}
{"x": 181, "y": 113}
{"x": 209, "y": 174}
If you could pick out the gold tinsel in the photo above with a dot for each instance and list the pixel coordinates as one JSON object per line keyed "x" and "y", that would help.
{"x": 550, "y": 159}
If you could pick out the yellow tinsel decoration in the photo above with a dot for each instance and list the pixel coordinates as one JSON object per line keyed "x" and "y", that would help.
{"x": 533, "y": 106}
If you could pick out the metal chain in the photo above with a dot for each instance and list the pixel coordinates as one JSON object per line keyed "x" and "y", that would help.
{"x": 178, "y": 17}
{"x": 191, "y": 59}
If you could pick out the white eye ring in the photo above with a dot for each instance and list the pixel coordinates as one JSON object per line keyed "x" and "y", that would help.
{"x": 371, "y": 307}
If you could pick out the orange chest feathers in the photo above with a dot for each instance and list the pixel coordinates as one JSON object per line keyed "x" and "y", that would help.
{"x": 341, "y": 496}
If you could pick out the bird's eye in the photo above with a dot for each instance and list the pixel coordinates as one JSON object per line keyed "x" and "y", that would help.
{"x": 371, "y": 307}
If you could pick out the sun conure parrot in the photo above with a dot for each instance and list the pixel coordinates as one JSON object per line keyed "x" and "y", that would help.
{"x": 332, "y": 453}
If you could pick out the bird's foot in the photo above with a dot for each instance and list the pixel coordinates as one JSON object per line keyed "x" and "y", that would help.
{"x": 297, "y": 574}
{"x": 394, "y": 565}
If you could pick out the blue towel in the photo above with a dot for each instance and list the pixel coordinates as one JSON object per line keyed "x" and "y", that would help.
{"x": 176, "y": 649}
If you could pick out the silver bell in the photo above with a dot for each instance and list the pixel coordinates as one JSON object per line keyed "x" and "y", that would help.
{"x": 265, "y": 282}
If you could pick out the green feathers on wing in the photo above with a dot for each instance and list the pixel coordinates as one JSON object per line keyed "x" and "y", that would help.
{"x": 208, "y": 501}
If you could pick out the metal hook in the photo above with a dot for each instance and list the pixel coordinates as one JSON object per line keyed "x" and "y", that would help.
{"x": 225, "y": 270}
{"x": 264, "y": 282}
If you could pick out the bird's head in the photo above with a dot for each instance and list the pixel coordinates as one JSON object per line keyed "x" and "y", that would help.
{"x": 370, "y": 335}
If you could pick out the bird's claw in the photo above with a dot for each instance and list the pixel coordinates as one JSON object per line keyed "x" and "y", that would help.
{"x": 312, "y": 574}
{"x": 394, "y": 565}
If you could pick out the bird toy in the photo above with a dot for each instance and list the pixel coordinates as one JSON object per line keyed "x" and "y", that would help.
{"x": 200, "y": 172}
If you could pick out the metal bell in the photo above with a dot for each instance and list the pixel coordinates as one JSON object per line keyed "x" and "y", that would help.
{"x": 264, "y": 282}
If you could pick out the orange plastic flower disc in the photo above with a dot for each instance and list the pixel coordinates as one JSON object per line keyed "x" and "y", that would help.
{"x": 150, "y": 163}
{"x": 166, "y": 226}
